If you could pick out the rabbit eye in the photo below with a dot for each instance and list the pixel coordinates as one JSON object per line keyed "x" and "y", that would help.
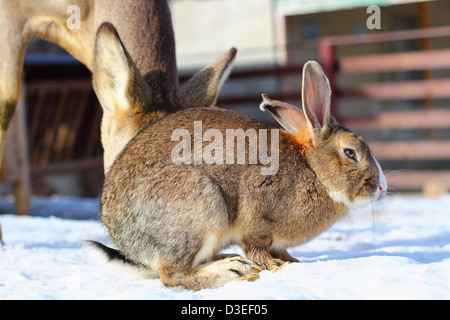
{"x": 350, "y": 153}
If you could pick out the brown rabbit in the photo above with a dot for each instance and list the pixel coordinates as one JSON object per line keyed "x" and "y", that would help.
{"x": 173, "y": 216}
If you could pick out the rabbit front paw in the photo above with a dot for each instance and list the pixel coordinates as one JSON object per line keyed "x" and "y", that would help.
{"x": 283, "y": 255}
{"x": 274, "y": 264}
{"x": 265, "y": 260}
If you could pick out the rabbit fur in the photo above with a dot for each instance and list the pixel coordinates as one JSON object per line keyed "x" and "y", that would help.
{"x": 174, "y": 219}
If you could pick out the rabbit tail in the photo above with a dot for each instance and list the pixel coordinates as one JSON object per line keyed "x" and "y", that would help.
{"x": 105, "y": 254}
{"x": 211, "y": 274}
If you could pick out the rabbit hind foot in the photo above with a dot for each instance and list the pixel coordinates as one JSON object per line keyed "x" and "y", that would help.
{"x": 213, "y": 274}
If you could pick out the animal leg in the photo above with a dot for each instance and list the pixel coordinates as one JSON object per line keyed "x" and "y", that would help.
{"x": 12, "y": 57}
{"x": 213, "y": 274}
{"x": 283, "y": 255}
{"x": 257, "y": 249}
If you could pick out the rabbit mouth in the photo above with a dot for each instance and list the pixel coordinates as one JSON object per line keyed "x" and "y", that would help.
{"x": 382, "y": 188}
{"x": 364, "y": 197}
{"x": 375, "y": 187}
{"x": 376, "y": 192}
{"x": 380, "y": 193}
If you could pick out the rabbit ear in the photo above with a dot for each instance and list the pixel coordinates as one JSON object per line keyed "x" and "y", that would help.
{"x": 116, "y": 80}
{"x": 316, "y": 94}
{"x": 288, "y": 116}
{"x": 203, "y": 88}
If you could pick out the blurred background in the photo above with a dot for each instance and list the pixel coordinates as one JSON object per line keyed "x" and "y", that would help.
{"x": 390, "y": 83}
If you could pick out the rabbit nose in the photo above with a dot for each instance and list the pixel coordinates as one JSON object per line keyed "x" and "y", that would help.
{"x": 383, "y": 191}
{"x": 383, "y": 187}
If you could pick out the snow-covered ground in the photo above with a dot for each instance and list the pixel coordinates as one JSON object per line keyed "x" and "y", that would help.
{"x": 397, "y": 250}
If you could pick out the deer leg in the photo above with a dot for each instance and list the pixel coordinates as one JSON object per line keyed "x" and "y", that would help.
{"x": 12, "y": 57}
{"x": 7, "y": 108}
{"x": 11, "y": 75}
{"x": 79, "y": 43}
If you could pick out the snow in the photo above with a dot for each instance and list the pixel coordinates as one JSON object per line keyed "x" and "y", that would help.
{"x": 397, "y": 250}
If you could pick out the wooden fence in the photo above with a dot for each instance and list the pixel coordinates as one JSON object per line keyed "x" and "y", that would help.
{"x": 429, "y": 149}
{"x": 56, "y": 129}
{"x": 424, "y": 151}
{"x": 63, "y": 118}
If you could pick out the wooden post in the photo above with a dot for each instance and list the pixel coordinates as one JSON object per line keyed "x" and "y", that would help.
{"x": 327, "y": 60}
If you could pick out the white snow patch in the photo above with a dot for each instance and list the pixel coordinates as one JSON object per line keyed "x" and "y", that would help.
{"x": 400, "y": 250}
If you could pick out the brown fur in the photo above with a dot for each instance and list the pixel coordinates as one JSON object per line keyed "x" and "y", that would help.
{"x": 243, "y": 203}
{"x": 199, "y": 200}
{"x": 303, "y": 139}
{"x": 175, "y": 218}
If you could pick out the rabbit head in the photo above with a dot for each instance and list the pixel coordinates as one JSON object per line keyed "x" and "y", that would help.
{"x": 341, "y": 159}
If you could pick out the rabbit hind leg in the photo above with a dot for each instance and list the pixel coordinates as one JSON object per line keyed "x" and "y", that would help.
{"x": 213, "y": 274}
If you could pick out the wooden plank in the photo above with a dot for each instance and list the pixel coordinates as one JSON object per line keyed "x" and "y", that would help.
{"x": 69, "y": 166}
{"x": 402, "y": 90}
{"x": 37, "y": 111}
{"x": 418, "y": 150}
{"x": 418, "y": 60}
{"x": 46, "y": 129}
{"x": 416, "y": 179}
{"x": 59, "y": 84}
{"x": 423, "y": 119}
{"x": 76, "y": 124}
{"x": 271, "y": 71}
{"x": 388, "y": 36}
{"x": 94, "y": 133}
{"x": 51, "y": 134}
